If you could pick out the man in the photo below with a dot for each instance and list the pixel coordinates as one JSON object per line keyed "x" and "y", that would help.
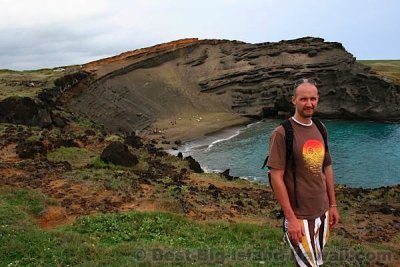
{"x": 307, "y": 197}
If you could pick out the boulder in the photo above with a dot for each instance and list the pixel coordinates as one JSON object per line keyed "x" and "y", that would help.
{"x": 59, "y": 122}
{"x": 194, "y": 165}
{"x": 178, "y": 142}
{"x": 134, "y": 141}
{"x": 28, "y": 149}
{"x": 227, "y": 176}
{"x": 119, "y": 154}
{"x": 24, "y": 110}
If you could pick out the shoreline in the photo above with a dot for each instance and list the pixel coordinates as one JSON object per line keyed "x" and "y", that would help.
{"x": 177, "y": 131}
{"x": 200, "y": 132}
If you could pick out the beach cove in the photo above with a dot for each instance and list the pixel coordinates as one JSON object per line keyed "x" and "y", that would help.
{"x": 365, "y": 153}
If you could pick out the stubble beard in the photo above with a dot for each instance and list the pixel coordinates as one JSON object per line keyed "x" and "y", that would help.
{"x": 308, "y": 113}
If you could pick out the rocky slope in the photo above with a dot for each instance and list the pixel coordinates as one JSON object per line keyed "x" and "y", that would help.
{"x": 69, "y": 166}
{"x": 65, "y": 157}
{"x": 131, "y": 91}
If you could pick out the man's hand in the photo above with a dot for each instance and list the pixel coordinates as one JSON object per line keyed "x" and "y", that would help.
{"x": 334, "y": 217}
{"x": 295, "y": 231}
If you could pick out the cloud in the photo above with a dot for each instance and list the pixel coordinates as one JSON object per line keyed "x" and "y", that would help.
{"x": 44, "y": 33}
{"x": 38, "y": 13}
{"x": 38, "y": 34}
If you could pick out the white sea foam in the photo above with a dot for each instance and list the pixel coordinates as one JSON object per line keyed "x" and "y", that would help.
{"x": 222, "y": 139}
{"x": 205, "y": 143}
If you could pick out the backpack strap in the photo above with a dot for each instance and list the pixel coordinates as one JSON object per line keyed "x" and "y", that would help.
{"x": 265, "y": 162}
{"x": 288, "y": 138}
{"x": 287, "y": 125}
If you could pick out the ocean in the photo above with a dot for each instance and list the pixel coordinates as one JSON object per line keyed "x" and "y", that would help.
{"x": 365, "y": 154}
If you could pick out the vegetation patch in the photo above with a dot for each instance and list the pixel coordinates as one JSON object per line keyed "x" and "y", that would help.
{"x": 147, "y": 239}
{"x": 77, "y": 157}
{"x": 388, "y": 68}
{"x": 112, "y": 179}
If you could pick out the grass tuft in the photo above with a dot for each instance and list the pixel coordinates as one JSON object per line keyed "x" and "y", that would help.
{"x": 77, "y": 157}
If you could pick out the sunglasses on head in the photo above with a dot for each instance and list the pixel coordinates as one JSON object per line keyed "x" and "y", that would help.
{"x": 301, "y": 81}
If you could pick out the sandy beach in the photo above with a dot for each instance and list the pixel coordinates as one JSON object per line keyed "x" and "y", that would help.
{"x": 189, "y": 127}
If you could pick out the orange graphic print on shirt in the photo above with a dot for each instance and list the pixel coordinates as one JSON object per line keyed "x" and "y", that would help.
{"x": 313, "y": 155}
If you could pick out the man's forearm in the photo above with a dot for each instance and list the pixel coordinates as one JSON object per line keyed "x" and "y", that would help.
{"x": 330, "y": 185}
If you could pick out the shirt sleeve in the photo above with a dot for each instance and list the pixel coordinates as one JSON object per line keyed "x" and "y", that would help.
{"x": 277, "y": 150}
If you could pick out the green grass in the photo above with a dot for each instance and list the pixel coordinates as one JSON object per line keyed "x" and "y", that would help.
{"x": 81, "y": 123}
{"x": 121, "y": 180}
{"x": 15, "y": 83}
{"x": 119, "y": 239}
{"x": 77, "y": 157}
{"x": 143, "y": 239}
{"x": 388, "y": 68}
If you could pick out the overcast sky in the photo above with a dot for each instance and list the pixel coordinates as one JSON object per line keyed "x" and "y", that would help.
{"x": 50, "y": 33}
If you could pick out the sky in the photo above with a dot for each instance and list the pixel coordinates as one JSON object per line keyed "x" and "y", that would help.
{"x": 38, "y": 34}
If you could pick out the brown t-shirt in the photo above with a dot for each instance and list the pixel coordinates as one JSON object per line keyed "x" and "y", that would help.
{"x": 310, "y": 157}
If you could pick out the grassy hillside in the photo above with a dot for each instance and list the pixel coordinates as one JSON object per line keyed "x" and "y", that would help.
{"x": 29, "y": 83}
{"x": 98, "y": 214}
{"x": 143, "y": 239}
{"x": 64, "y": 206}
{"x": 387, "y": 68}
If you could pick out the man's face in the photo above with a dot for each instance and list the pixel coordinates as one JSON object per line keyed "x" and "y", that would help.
{"x": 305, "y": 100}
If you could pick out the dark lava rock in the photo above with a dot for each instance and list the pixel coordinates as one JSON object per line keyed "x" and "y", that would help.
{"x": 178, "y": 142}
{"x": 119, "y": 154}
{"x": 194, "y": 165}
{"x": 385, "y": 209}
{"x": 68, "y": 142}
{"x": 161, "y": 153}
{"x": 227, "y": 176}
{"x": 134, "y": 141}
{"x": 59, "y": 122}
{"x": 151, "y": 148}
{"x": 180, "y": 155}
{"x": 68, "y": 81}
{"x": 214, "y": 191}
{"x": 24, "y": 110}
{"x": 28, "y": 150}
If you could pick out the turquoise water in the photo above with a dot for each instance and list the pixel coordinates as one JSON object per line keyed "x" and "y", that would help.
{"x": 365, "y": 154}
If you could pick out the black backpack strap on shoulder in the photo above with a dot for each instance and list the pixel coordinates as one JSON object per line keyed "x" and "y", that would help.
{"x": 288, "y": 138}
{"x": 287, "y": 125}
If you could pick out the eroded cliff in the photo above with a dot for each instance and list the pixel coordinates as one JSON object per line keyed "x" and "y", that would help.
{"x": 130, "y": 91}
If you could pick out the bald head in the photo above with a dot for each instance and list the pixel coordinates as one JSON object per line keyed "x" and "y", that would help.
{"x": 304, "y": 86}
{"x": 300, "y": 82}
{"x": 305, "y": 101}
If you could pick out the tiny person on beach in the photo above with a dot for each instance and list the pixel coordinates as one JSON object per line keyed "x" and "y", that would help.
{"x": 303, "y": 183}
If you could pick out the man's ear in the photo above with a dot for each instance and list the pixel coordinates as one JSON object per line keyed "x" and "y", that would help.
{"x": 293, "y": 99}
